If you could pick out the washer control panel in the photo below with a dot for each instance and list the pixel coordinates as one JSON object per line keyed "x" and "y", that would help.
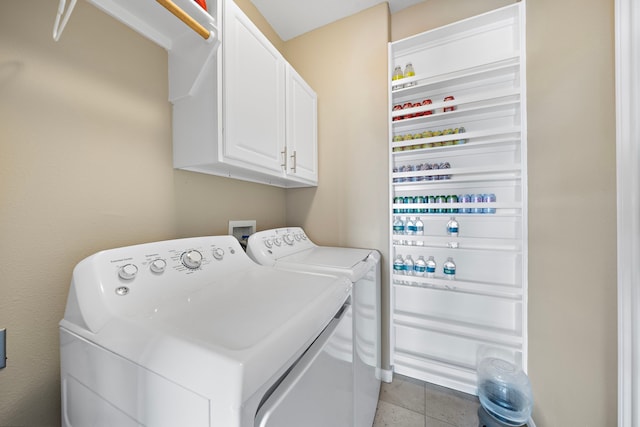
{"x": 266, "y": 247}
{"x": 161, "y": 265}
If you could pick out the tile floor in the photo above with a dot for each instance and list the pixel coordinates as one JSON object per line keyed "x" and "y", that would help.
{"x": 407, "y": 402}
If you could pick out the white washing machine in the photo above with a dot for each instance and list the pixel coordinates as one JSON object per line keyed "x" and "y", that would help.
{"x": 290, "y": 249}
{"x": 191, "y": 332}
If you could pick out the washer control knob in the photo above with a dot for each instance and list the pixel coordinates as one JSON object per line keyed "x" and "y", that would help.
{"x": 268, "y": 243}
{"x": 288, "y": 239}
{"x": 297, "y": 236}
{"x": 192, "y": 259}
{"x": 277, "y": 241}
{"x": 128, "y": 272}
{"x": 218, "y": 253}
{"x": 158, "y": 265}
{"x": 303, "y": 236}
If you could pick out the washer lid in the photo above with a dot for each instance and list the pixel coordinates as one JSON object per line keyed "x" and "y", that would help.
{"x": 349, "y": 262}
{"x": 325, "y": 256}
{"x": 249, "y": 308}
{"x": 227, "y": 339}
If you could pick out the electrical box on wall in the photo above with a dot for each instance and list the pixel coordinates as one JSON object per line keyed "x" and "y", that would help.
{"x": 241, "y": 230}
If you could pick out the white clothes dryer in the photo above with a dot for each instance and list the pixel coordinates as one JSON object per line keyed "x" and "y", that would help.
{"x": 191, "y": 332}
{"x": 290, "y": 249}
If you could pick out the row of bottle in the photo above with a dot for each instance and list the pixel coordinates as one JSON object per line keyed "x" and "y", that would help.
{"x": 422, "y": 167}
{"x": 398, "y": 74}
{"x": 423, "y": 268}
{"x": 451, "y": 198}
{"x": 413, "y": 226}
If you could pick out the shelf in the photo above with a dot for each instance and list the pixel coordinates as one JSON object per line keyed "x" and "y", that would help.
{"x": 477, "y": 288}
{"x": 493, "y": 99}
{"x": 156, "y": 23}
{"x": 189, "y": 53}
{"x": 504, "y": 337}
{"x": 457, "y": 243}
{"x": 501, "y": 136}
{"x": 494, "y": 173}
{"x": 445, "y": 80}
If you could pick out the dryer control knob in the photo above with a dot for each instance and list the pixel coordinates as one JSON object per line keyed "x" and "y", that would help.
{"x": 288, "y": 239}
{"x": 218, "y": 253}
{"x": 192, "y": 259}
{"x": 158, "y": 265}
{"x": 128, "y": 272}
{"x": 277, "y": 241}
{"x": 268, "y": 243}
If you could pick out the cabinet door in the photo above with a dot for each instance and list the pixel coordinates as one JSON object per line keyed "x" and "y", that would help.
{"x": 302, "y": 129}
{"x": 254, "y": 96}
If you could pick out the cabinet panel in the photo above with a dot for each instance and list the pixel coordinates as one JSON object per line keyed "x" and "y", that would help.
{"x": 254, "y": 77}
{"x": 458, "y": 150}
{"x": 302, "y": 128}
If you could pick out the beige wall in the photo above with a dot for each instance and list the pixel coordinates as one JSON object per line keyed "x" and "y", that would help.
{"x": 86, "y": 164}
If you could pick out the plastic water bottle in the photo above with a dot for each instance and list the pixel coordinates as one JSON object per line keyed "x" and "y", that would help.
{"x": 410, "y": 229}
{"x": 452, "y": 227}
{"x": 408, "y": 266}
{"x": 420, "y": 267}
{"x": 431, "y": 267}
{"x": 419, "y": 230}
{"x": 398, "y": 226}
{"x": 398, "y": 265}
{"x": 449, "y": 269}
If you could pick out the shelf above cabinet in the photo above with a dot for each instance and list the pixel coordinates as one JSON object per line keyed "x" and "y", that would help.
{"x": 153, "y": 21}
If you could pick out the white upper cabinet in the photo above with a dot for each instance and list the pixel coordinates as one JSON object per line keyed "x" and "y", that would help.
{"x": 239, "y": 109}
{"x": 252, "y": 117}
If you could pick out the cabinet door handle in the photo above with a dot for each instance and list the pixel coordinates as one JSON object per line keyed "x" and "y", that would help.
{"x": 284, "y": 159}
{"x": 293, "y": 157}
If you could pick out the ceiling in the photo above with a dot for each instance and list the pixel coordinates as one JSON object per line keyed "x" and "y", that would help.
{"x": 290, "y": 18}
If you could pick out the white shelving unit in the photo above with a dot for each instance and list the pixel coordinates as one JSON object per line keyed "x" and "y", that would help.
{"x": 438, "y": 324}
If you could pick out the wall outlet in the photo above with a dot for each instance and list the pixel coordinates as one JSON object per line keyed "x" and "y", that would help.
{"x": 241, "y": 230}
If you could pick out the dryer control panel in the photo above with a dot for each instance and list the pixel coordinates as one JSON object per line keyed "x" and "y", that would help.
{"x": 266, "y": 247}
